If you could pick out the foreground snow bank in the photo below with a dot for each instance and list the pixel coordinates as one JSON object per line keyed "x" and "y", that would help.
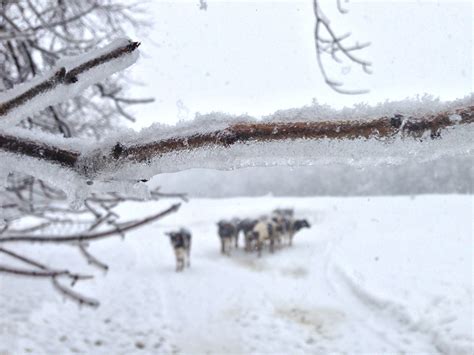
{"x": 373, "y": 275}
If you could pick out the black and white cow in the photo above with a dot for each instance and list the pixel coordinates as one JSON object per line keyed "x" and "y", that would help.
{"x": 227, "y": 231}
{"x": 295, "y": 226}
{"x": 181, "y": 242}
{"x": 265, "y": 232}
{"x": 281, "y": 227}
{"x": 246, "y": 227}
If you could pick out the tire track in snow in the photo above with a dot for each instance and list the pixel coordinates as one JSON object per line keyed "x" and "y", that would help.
{"x": 408, "y": 328}
{"x": 392, "y": 314}
{"x": 334, "y": 239}
{"x": 331, "y": 283}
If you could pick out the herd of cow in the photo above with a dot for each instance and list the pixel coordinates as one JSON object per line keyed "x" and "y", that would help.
{"x": 274, "y": 230}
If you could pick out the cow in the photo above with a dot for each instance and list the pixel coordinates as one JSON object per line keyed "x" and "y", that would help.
{"x": 181, "y": 242}
{"x": 283, "y": 218}
{"x": 246, "y": 226}
{"x": 226, "y": 231}
{"x": 281, "y": 225}
{"x": 265, "y": 231}
{"x": 294, "y": 226}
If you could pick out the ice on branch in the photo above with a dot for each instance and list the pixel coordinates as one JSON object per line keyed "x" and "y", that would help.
{"x": 391, "y": 133}
{"x": 219, "y": 141}
{"x": 67, "y": 79}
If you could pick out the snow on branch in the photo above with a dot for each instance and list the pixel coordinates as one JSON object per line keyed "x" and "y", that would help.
{"x": 244, "y": 142}
{"x": 37, "y": 149}
{"x": 224, "y": 142}
{"x": 71, "y": 76}
{"x": 247, "y": 132}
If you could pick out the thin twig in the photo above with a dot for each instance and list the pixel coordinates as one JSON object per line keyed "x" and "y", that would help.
{"x": 332, "y": 46}
{"x": 91, "y": 259}
{"x": 93, "y": 236}
{"x": 43, "y": 267}
{"x": 76, "y": 296}
{"x": 33, "y": 273}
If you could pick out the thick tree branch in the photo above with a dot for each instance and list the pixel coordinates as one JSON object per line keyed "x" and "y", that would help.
{"x": 248, "y": 132}
{"x": 122, "y": 153}
{"x": 35, "y": 149}
{"x": 277, "y": 131}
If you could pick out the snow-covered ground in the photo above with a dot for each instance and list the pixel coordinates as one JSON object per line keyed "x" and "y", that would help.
{"x": 372, "y": 275}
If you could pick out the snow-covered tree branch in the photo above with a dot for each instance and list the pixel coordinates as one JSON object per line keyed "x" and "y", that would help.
{"x": 69, "y": 79}
{"x": 244, "y": 133}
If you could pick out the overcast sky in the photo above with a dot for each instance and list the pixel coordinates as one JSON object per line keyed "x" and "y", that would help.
{"x": 256, "y": 57}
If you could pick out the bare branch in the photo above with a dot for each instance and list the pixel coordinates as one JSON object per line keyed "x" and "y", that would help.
{"x": 24, "y": 259}
{"x": 46, "y": 271}
{"x": 92, "y": 236}
{"x": 340, "y": 8}
{"x": 61, "y": 22}
{"x": 75, "y": 296}
{"x": 91, "y": 259}
{"x": 333, "y": 46}
{"x": 33, "y": 273}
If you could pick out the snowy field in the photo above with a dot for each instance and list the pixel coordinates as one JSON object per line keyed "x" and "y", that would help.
{"x": 372, "y": 276}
